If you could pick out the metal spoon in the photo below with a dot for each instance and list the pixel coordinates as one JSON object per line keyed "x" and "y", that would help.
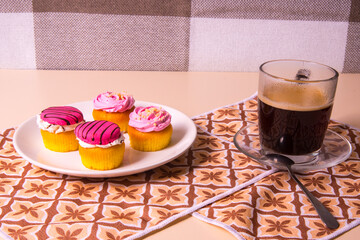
{"x": 324, "y": 214}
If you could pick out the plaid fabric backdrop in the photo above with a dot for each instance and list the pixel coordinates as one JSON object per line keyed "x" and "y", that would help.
{"x": 181, "y": 35}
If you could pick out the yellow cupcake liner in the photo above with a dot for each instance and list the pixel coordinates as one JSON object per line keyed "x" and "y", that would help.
{"x": 120, "y": 118}
{"x": 102, "y": 158}
{"x": 150, "y": 141}
{"x": 60, "y": 142}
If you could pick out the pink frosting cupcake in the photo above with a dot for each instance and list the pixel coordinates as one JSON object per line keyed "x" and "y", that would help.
{"x": 114, "y": 107}
{"x": 101, "y": 144}
{"x": 57, "y": 126}
{"x": 149, "y": 119}
{"x": 150, "y": 128}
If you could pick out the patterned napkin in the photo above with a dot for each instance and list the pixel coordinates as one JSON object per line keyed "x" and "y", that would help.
{"x": 226, "y": 187}
{"x": 275, "y": 207}
{"x": 38, "y": 204}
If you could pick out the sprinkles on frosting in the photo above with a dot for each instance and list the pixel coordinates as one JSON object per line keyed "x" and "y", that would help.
{"x": 113, "y": 102}
{"x": 148, "y": 119}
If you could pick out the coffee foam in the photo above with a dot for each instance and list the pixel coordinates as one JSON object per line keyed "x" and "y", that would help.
{"x": 296, "y": 98}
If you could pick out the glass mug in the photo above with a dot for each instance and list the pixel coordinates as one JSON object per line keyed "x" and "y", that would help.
{"x": 295, "y": 100}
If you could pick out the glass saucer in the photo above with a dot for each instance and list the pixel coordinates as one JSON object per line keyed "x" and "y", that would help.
{"x": 335, "y": 150}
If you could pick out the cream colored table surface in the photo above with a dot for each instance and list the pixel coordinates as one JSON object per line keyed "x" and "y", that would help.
{"x": 25, "y": 93}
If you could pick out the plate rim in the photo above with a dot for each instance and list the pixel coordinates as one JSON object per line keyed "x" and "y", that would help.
{"x": 89, "y": 173}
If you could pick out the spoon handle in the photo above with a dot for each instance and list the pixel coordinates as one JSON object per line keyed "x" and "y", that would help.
{"x": 323, "y": 212}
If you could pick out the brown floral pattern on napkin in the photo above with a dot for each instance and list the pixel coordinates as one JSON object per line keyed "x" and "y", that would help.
{"x": 39, "y": 204}
{"x": 227, "y": 187}
{"x": 224, "y": 122}
{"x": 276, "y": 208}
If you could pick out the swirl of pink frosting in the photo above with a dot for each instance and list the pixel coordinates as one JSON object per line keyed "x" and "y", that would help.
{"x": 113, "y": 102}
{"x": 148, "y": 119}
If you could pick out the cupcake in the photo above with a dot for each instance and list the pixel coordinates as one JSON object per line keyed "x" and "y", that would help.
{"x": 57, "y": 126}
{"x": 114, "y": 107}
{"x": 101, "y": 143}
{"x": 150, "y": 128}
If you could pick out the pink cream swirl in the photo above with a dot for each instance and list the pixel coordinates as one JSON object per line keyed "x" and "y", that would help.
{"x": 149, "y": 119}
{"x": 113, "y": 102}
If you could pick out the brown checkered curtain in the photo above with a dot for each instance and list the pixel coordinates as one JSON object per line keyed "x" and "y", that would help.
{"x": 181, "y": 35}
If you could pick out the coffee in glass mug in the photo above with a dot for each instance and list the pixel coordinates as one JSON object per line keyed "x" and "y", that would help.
{"x": 295, "y": 100}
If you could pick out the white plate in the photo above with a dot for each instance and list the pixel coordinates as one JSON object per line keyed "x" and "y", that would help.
{"x": 28, "y": 143}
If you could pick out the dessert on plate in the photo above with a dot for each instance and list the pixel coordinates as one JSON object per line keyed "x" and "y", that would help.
{"x": 150, "y": 128}
{"x": 101, "y": 144}
{"x": 114, "y": 107}
{"x": 57, "y": 126}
